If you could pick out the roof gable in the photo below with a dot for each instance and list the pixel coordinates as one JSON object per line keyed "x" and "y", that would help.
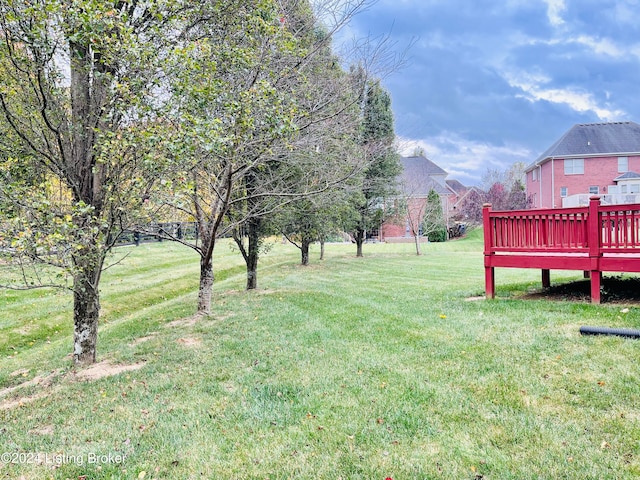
{"x": 416, "y": 177}
{"x": 456, "y": 186}
{"x": 595, "y": 139}
{"x": 421, "y": 165}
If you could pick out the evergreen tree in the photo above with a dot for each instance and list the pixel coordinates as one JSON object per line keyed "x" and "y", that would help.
{"x": 383, "y": 162}
{"x": 434, "y": 226}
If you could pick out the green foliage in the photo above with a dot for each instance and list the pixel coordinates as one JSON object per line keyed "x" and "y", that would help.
{"x": 377, "y": 124}
{"x": 81, "y": 81}
{"x": 434, "y": 226}
{"x": 383, "y": 162}
{"x": 377, "y": 138}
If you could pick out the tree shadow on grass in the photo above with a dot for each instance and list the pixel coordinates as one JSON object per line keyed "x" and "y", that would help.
{"x": 614, "y": 289}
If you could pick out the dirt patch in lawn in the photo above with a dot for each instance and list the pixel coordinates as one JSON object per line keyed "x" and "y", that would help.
{"x": 140, "y": 340}
{"x": 105, "y": 369}
{"x": 190, "y": 342}
{"x": 43, "y": 382}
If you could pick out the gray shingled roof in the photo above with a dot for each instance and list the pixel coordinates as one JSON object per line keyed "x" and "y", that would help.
{"x": 456, "y": 186}
{"x": 421, "y": 165}
{"x": 415, "y": 177}
{"x": 627, "y": 176}
{"x": 593, "y": 139}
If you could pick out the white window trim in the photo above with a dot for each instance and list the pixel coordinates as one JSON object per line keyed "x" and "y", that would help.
{"x": 625, "y": 169}
{"x": 573, "y": 162}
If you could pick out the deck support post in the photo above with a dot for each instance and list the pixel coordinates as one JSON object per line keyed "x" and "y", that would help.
{"x": 594, "y": 227}
{"x": 596, "y": 282}
{"x": 489, "y": 282}
{"x": 489, "y": 274}
{"x": 546, "y": 278}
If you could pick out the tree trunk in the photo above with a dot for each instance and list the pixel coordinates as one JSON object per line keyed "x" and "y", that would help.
{"x": 206, "y": 285}
{"x": 86, "y": 312}
{"x": 359, "y": 241}
{"x": 86, "y": 180}
{"x": 417, "y": 240}
{"x": 304, "y": 249}
{"x": 321, "y": 249}
{"x": 253, "y": 252}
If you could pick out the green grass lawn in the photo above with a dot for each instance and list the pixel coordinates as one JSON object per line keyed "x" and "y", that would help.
{"x": 387, "y": 366}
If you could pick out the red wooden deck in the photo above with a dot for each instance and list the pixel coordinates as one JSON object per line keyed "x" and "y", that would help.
{"x": 596, "y": 238}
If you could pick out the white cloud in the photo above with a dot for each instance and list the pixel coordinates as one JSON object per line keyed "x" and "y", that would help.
{"x": 463, "y": 159}
{"x": 554, "y": 11}
{"x": 601, "y": 46}
{"x": 579, "y": 101}
{"x": 625, "y": 12}
{"x": 534, "y": 89}
{"x": 606, "y": 46}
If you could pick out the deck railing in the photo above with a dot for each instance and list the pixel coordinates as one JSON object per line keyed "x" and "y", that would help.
{"x": 538, "y": 230}
{"x": 620, "y": 228}
{"x": 604, "y": 228}
{"x": 594, "y": 238}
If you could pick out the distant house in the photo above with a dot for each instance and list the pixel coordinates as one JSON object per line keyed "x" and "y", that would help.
{"x": 419, "y": 176}
{"x": 589, "y": 159}
{"x": 458, "y": 190}
{"x": 461, "y": 195}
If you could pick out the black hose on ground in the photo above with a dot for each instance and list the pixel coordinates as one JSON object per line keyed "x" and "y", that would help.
{"x": 620, "y": 332}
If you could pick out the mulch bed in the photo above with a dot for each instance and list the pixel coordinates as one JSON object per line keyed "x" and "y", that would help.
{"x": 615, "y": 289}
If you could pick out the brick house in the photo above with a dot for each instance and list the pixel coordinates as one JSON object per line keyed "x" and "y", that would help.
{"x": 589, "y": 159}
{"x": 419, "y": 176}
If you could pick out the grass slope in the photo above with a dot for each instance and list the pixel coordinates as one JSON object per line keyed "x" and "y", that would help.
{"x": 353, "y": 368}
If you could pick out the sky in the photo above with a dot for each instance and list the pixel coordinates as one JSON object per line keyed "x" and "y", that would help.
{"x": 487, "y": 83}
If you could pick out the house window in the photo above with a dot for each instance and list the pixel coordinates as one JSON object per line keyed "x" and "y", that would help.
{"x": 574, "y": 166}
{"x": 534, "y": 174}
{"x": 634, "y": 188}
{"x": 623, "y": 189}
{"x": 623, "y": 164}
{"x": 564, "y": 191}
{"x": 594, "y": 190}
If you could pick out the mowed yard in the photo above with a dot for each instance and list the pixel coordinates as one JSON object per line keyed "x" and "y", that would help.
{"x": 387, "y": 366}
